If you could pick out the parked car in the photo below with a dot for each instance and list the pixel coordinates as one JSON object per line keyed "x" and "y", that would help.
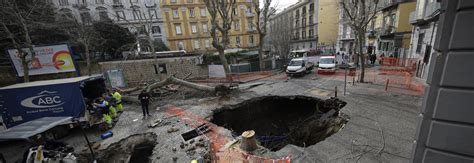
{"x": 327, "y": 64}
{"x": 299, "y": 66}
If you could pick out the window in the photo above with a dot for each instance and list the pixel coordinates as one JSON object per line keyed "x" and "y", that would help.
{"x": 297, "y": 23}
{"x": 141, "y": 29}
{"x": 100, "y": 2}
{"x": 63, "y": 2}
{"x": 86, "y": 17}
{"x": 303, "y": 11}
{"x": 419, "y": 44}
{"x": 204, "y": 27}
{"x": 311, "y": 7}
{"x": 208, "y": 44}
{"x": 191, "y": 12}
{"x": 392, "y": 20}
{"x": 181, "y": 45}
{"x": 196, "y": 44}
{"x": 237, "y": 41}
{"x": 297, "y": 14}
{"x": 303, "y": 35}
{"x": 117, "y": 2}
{"x": 310, "y": 19}
{"x": 175, "y": 14}
{"x": 251, "y": 39}
{"x": 249, "y": 10}
{"x": 153, "y": 14}
{"x": 193, "y": 28}
{"x": 156, "y": 29}
{"x": 203, "y": 12}
{"x": 190, "y": 1}
{"x": 173, "y": 1}
{"x": 235, "y": 11}
{"x": 303, "y": 22}
{"x": 250, "y": 24}
{"x": 82, "y": 2}
{"x": 311, "y": 33}
{"x": 103, "y": 16}
{"x": 178, "y": 29}
{"x": 237, "y": 25}
{"x": 137, "y": 14}
{"x": 120, "y": 15}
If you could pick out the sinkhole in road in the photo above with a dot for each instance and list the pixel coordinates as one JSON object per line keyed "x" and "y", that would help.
{"x": 281, "y": 120}
{"x": 135, "y": 148}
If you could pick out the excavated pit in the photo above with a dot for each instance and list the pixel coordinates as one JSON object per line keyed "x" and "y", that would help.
{"x": 134, "y": 149}
{"x": 282, "y": 120}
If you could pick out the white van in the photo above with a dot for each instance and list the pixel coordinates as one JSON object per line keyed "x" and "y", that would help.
{"x": 327, "y": 64}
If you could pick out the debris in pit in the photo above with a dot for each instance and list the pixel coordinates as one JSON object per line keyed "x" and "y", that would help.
{"x": 141, "y": 153}
{"x": 123, "y": 150}
{"x": 249, "y": 142}
{"x": 172, "y": 129}
{"x": 282, "y": 120}
{"x": 201, "y": 129}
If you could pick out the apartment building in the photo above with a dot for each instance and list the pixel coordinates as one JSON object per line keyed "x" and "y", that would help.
{"x": 328, "y": 25}
{"x": 425, "y": 22}
{"x": 188, "y": 25}
{"x": 135, "y": 15}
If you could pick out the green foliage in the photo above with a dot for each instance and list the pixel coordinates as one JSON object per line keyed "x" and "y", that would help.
{"x": 114, "y": 39}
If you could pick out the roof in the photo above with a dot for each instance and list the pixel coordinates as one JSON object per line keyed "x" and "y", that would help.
{"x": 32, "y": 128}
{"x": 51, "y": 82}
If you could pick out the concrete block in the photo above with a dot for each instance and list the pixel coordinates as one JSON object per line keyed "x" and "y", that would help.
{"x": 455, "y": 105}
{"x": 463, "y": 4}
{"x": 456, "y": 138}
{"x": 463, "y": 35}
{"x": 458, "y": 71}
{"x": 433, "y": 156}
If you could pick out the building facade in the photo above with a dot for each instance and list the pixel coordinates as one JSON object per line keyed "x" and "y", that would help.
{"x": 389, "y": 33}
{"x": 188, "y": 25}
{"x": 327, "y": 25}
{"x": 135, "y": 15}
{"x": 394, "y": 35}
{"x": 298, "y": 25}
{"x": 425, "y": 22}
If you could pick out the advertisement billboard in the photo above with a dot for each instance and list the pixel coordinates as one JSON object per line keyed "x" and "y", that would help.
{"x": 48, "y": 60}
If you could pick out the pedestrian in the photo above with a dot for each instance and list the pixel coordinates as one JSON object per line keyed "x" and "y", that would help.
{"x": 118, "y": 100}
{"x": 144, "y": 98}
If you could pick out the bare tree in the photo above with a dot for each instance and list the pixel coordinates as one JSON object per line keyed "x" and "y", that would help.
{"x": 360, "y": 13}
{"x": 263, "y": 17}
{"x": 82, "y": 32}
{"x": 221, "y": 21}
{"x": 17, "y": 17}
{"x": 280, "y": 34}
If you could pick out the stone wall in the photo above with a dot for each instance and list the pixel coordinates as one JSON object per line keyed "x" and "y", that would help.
{"x": 139, "y": 71}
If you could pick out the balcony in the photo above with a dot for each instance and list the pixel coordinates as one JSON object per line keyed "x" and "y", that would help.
{"x": 388, "y": 30}
{"x": 249, "y": 14}
{"x": 117, "y": 5}
{"x": 432, "y": 9}
{"x": 415, "y": 18}
{"x": 79, "y": 6}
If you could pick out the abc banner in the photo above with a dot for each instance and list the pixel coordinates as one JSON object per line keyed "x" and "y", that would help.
{"x": 48, "y": 60}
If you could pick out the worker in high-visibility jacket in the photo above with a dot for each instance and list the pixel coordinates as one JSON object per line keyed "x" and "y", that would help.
{"x": 104, "y": 108}
{"x": 111, "y": 104}
{"x": 118, "y": 100}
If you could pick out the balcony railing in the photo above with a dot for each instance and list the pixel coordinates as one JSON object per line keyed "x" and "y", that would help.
{"x": 82, "y": 5}
{"x": 431, "y": 8}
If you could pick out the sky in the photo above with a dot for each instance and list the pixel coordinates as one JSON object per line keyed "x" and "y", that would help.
{"x": 281, "y": 4}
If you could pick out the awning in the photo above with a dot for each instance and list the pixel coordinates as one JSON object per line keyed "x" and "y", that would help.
{"x": 31, "y": 128}
{"x": 250, "y": 53}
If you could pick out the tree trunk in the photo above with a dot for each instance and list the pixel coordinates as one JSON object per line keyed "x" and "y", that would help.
{"x": 362, "y": 57}
{"x": 224, "y": 61}
{"x": 260, "y": 53}
{"x": 24, "y": 63}
{"x": 88, "y": 60}
{"x": 174, "y": 80}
